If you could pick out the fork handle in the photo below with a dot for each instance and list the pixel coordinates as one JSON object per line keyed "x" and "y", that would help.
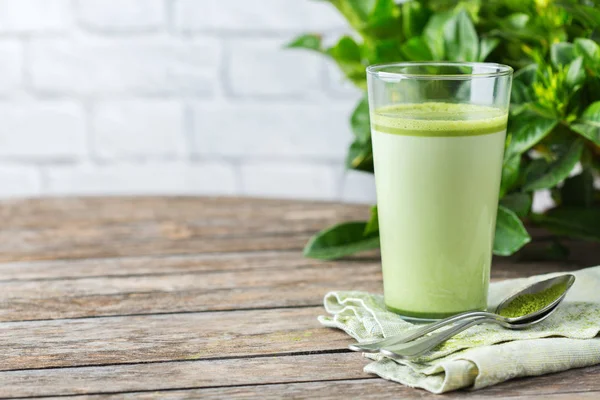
{"x": 373, "y": 347}
{"x": 416, "y": 348}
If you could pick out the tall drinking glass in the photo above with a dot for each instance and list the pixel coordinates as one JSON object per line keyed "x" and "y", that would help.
{"x": 438, "y": 132}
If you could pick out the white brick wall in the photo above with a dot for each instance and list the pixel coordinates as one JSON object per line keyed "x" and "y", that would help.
{"x": 121, "y": 15}
{"x": 274, "y": 16}
{"x": 173, "y": 97}
{"x": 260, "y": 67}
{"x": 270, "y": 129}
{"x": 139, "y": 128}
{"x": 143, "y": 178}
{"x": 11, "y": 66}
{"x": 35, "y": 16}
{"x": 45, "y": 130}
{"x": 124, "y": 66}
{"x": 277, "y": 179}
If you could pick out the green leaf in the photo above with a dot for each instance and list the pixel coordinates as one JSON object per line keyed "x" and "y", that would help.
{"x": 522, "y": 91}
{"x": 486, "y": 46}
{"x": 535, "y": 169}
{"x": 588, "y": 124}
{"x": 381, "y": 51}
{"x": 360, "y": 156}
{"x": 592, "y": 113}
{"x": 526, "y": 130}
{"x": 517, "y": 21}
{"x": 589, "y": 16}
{"x": 575, "y": 73}
{"x": 434, "y": 34}
{"x": 510, "y": 174}
{"x": 578, "y": 190}
{"x": 356, "y": 12}
{"x": 540, "y": 110}
{"x": 518, "y": 202}
{"x": 377, "y": 18}
{"x": 383, "y": 10}
{"x": 340, "y": 240}
{"x": 308, "y": 41}
{"x": 461, "y": 40}
{"x": 527, "y": 75}
{"x": 559, "y": 170}
{"x": 510, "y": 235}
{"x": 416, "y": 49}
{"x": 589, "y": 50}
{"x": 562, "y": 53}
{"x": 373, "y": 224}
{"x": 361, "y": 122}
{"x": 383, "y": 20}
{"x": 414, "y": 18}
{"x": 589, "y": 131}
{"x": 346, "y": 50}
{"x": 347, "y": 55}
{"x": 575, "y": 222}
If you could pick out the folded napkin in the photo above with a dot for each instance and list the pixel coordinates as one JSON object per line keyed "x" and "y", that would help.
{"x": 486, "y": 354}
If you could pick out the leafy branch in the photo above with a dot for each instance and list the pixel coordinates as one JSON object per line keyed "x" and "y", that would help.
{"x": 554, "y": 120}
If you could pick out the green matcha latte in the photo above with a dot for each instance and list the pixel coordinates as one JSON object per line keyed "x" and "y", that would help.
{"x": 437, "y": 168}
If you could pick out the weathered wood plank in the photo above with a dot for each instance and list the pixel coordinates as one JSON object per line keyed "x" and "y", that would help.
{"x": 503, "y": 268}
{"x": 98, "y": 212}
{"x": 245, "y": 282}
{"x": 364, "y": 389}
{"x": 313, "y": 376}
{"x": 244, "y": 289}
{"x": 46, "y": 246}
{"x": 153, "y": 338}
{"x": 168, "y": 264}
{"x": 369, "y": 388}
{"x": 177, "y": 375}
{"x": 574, "y": 380}
{"x": 372, "y": 388}
{"x": 114, "y": 227}
{"x": 171, "y": 230}
{"x": 295, "y": 279}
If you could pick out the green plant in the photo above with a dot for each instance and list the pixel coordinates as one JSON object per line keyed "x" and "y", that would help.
{"x": 554, "y": 120}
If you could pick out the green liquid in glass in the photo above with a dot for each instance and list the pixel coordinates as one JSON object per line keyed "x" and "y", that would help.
{"x": 437, "y": 168}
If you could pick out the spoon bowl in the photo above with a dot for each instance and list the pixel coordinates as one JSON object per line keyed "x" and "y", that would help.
{"x": 564, "y": 281}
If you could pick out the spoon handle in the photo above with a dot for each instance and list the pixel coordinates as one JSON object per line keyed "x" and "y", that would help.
{"x": 373, "y": 347}
{"x": 416, "y": 348}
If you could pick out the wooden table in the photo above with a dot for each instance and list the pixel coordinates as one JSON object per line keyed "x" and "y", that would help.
{"x": 191, "y": 297}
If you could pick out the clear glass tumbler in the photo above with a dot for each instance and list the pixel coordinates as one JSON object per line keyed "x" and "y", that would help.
{"x": 438, "y": 132}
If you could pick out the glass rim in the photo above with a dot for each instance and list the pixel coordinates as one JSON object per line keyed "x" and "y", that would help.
{"x": 378, "y": 70}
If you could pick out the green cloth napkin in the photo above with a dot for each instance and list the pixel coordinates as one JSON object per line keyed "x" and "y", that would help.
{"x": 483, "y": 355}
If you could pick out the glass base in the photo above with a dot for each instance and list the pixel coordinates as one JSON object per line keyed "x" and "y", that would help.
{"x": 423, "y": 317}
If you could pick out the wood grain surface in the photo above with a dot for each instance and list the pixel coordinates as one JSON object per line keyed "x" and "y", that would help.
{"x": 182, "y": 297}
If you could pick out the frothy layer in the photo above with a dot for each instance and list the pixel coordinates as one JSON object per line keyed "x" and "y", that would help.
{"x": 439, "y": 119}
